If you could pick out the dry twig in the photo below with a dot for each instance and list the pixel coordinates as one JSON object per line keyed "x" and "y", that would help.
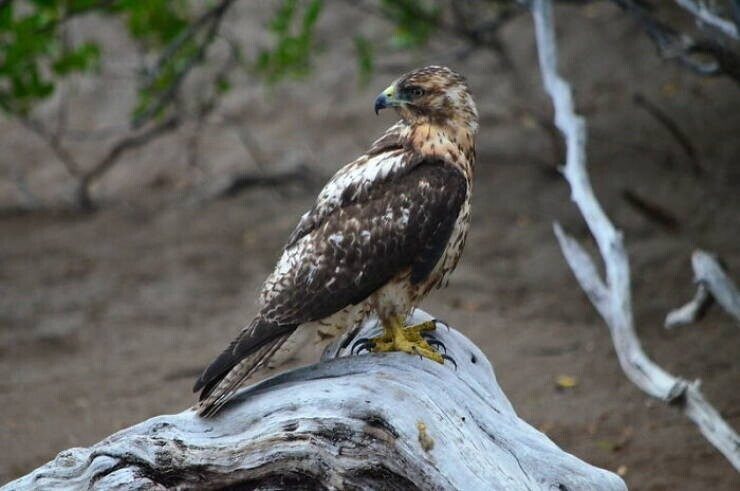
{"x": 713, "y": 283}
{"x": 612, "y": 296}
{"x": 706, "y": 16}
{"x": 126, "y": 144}
{"x": 54, "y": 142}
{"x": 145, "y": 129}
{"x": 705, "y": 57}
{"x": 209, "y": 20}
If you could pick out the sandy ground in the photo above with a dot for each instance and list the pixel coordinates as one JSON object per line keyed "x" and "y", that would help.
{"x": 105, "y": 319}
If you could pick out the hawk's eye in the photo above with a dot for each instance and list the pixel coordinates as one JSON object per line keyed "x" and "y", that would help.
{"x": 415, "y": 92}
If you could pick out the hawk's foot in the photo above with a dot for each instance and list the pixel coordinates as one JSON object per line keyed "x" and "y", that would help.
{"x": 396, "y": 337}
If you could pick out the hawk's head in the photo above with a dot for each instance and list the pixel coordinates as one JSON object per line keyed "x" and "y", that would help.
{"x": 433, "y": 94}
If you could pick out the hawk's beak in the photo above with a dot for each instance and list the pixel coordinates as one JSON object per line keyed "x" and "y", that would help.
{"x": 386, "y": 99}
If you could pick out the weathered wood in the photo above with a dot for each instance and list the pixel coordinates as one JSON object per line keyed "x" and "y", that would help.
{"x": 380, "y": 421}
{"x": 712, "y": 283}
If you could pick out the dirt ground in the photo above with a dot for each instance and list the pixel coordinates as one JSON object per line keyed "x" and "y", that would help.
{"x": 106, "y": 318}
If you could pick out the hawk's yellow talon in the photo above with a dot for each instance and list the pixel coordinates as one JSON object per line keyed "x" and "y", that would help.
{"x": 396, "y": 337}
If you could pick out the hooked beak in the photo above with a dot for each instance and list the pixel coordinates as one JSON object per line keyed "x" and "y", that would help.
{"x": 386, "y": 99}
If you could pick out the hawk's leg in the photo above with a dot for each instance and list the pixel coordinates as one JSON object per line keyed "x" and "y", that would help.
{"x": 396, "y": 337}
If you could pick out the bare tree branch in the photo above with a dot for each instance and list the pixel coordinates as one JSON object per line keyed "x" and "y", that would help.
{"x": 613, "y": 298}
{"x": 84, "y": 200}
{"x": 709, "y": 271}
{"x": 713, "y": 283}
{"x": 706, "y": 58}
{"x": 214, "y": 13}
{"x": 706, "y": 16}
{"x": 86, "y": 178}
{"x": 735, "y": 12}
{"x": 692, "y": 311}
{"x": 211, "y": 21}
{"x": 53, "y": 141}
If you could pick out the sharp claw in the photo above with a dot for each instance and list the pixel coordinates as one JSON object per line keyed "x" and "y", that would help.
{"x": 368, "y": 346}
{"x": 445, "y": 357}
{"x": 435, "y": 342}
{"x": 361, "y": 344}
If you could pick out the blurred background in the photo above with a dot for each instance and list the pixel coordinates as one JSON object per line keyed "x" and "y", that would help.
{"x": 156, "y": 155}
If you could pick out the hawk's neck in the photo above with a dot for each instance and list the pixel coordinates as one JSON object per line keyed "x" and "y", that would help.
{"x": 453, "y": 143}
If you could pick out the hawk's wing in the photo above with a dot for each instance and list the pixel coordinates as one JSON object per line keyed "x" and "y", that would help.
{"x": 344, "y": 255}
{"x": 402, "y": 223}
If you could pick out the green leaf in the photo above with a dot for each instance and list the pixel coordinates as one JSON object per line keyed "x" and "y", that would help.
{"x": 223, "y": 85}
{"x": 84, "y": 58}
{"x": 32, "y": 56}
{"x": 293, "y": 28}
{"x": 312, "y": 15}
{"x": 155, "y": 22}
{"x": 415, "y": 21}
{"x": 6, "y": 16}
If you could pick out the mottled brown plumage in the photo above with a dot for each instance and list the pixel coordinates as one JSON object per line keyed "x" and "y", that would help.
{"x": 384, "y": 231}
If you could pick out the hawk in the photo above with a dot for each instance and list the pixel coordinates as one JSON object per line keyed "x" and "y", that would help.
{"x": 384, "y": 231}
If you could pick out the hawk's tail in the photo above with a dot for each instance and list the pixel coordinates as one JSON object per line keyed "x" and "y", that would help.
{"x": 248, "y": 352}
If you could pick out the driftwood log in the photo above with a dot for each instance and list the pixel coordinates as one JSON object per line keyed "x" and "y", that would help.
{"x": 370, "y": 421}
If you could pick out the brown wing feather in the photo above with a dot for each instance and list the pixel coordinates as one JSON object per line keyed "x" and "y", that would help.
{"x": 252, "y": 338}
{"x": 392, "y": 142}
{"x": 218, "y": 391}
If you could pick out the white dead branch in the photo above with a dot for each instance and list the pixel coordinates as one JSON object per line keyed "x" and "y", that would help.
{"x": 713, "y": 283}
{"x": 706, "y": 16}
{"x": 612, "y": 298}
{"x": 387, "y": 421}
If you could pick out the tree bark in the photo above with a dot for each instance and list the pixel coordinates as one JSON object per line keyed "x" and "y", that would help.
{"x": 375, "y": 421}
